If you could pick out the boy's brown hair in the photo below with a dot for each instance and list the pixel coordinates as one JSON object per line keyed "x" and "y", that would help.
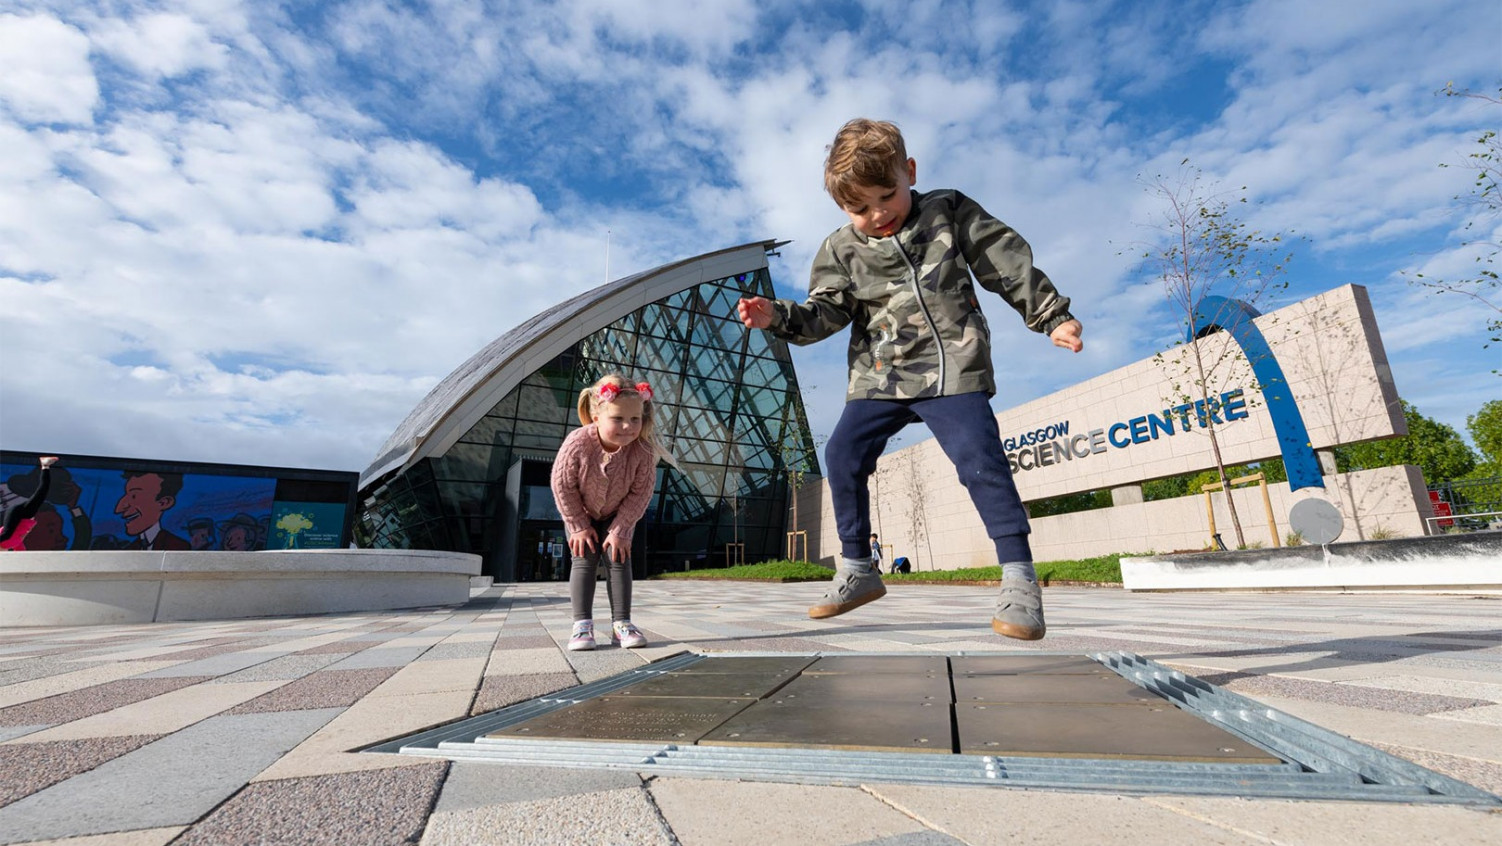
{"x": 865, "y": 153}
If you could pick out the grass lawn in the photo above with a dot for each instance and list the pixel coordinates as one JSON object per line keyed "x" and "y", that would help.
{"x": 1104, "y": 569}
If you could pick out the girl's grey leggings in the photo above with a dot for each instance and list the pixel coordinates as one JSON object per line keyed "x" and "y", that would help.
{"x": 581, "y": 580}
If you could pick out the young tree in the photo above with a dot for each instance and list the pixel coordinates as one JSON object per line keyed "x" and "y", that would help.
{"x": 1485, "y": 427}
{"x": 1435, "y": 448}
{"x": 1485, "y": 200}
{"x": 1205, "y": 249}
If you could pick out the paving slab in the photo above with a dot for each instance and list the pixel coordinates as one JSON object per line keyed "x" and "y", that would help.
{"x": 476, "y": 785}
{"x": 173, "y": 781}
{"x": 140, "y": 837}
{"x": 724, "y": 813}
{"x": 161, "y": 714}
{"x": 619, "y": 817}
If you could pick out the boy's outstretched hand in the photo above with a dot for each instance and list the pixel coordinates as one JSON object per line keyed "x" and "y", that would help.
{"x": 1066, "y": 335}
{"x": 755, "y": 312}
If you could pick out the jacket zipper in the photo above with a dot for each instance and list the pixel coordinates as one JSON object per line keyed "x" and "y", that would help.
{"x": 923, "y": 307}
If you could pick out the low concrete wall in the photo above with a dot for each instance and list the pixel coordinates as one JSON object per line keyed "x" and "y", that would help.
{"x": 1470, "y": 563}
{"x": 91, "y": 588}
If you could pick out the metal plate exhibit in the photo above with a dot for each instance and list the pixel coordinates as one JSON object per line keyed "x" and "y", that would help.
{"x": 1142, "y": 732}
{"x": 674, "y": 720}
{"x": 855, "y": 689}
{"x": 1050, "y": 687}
{"x": 1187, "y": 737}
{"x": 937, "y": 665}
{"x": 709, "y": 685}
{"x": 982, "y": 665}
{"x": 839, "y": 724}
{"x": 782, "y": 665}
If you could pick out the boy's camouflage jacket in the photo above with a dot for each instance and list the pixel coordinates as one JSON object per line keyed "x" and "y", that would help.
{"x": 916, "y": 328}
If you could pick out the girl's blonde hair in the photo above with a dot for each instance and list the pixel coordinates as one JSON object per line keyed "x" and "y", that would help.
{"x": 590, "y": 400}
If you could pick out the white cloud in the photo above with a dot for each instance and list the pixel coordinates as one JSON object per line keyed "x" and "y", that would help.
{"x": 47, "y": 76}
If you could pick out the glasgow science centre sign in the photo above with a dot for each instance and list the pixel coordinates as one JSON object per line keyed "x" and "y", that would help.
{"x": 1053, "y": 444}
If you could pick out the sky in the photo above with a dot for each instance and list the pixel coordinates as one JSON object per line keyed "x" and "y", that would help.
{"x": 259, "y": 233}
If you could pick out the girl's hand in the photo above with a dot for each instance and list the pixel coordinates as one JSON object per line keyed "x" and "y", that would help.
{"x": 582, "y": 543}
{"x": 616, "y": 550}
{"x": 755, "y": 312}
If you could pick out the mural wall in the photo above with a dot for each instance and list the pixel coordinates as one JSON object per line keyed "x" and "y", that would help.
{"x": 102, "y": 504}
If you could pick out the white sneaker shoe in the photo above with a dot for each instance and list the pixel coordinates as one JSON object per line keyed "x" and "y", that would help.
{"x": 583, "y": 638}
{"x": 626, "y": 635}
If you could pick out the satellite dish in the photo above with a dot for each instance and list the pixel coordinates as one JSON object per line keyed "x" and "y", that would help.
{"x": 1316, "y": 520}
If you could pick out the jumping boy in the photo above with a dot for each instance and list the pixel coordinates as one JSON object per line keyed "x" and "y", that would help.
{"x": 901, "y": 275}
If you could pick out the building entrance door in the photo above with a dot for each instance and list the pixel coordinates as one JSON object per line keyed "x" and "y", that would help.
{"x": 543, "y": 556}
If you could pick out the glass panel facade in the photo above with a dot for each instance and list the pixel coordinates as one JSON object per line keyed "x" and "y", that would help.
{"x": 728, "y": 408}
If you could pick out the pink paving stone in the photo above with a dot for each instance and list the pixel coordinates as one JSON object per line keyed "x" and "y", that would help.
{"x": 500, "y": 691}
{"x": 324, "y": 689}
{"x": 88, "y": 701}
{"x": 371, "y": 808}
{"x": 30, "y": 767}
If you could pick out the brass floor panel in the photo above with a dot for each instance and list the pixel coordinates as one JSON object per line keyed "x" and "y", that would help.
{"x": 709, "y": 685}
{"x": 662, "y": 719}
{"x": 839, "y": 724}
{"x": 1051, "y": 687}
{"x": 1143, "y": 732}
{"x": 983, "y": 665}
{"x": 880, "y": 664}
{"x": 788, "y": 666}
{"x": 857, "y": 689}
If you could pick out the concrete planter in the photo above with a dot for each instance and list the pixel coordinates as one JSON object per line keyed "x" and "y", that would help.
{"x": 91, "y": 588}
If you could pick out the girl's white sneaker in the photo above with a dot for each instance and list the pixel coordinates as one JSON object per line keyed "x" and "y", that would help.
{"x": 626, "y": 635}
{"x": 583, "y": 637}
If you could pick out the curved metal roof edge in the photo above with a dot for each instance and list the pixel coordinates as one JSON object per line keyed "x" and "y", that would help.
{"x": 487, "y": 376}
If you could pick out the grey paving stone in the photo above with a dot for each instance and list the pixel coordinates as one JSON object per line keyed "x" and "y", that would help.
{"x": 173, "y": 781}
{"x": 41, "y": 668}
{"x": 477, "y": 785}
{"x": 380, "y": 657}
{"x": 285, "y": 667}
{"x": 326, "y": 689}
{"x": 218, "y": 665}
{"x": 370, "y": 808}
{"x": 500, "y": 691}
{"x": 473, "y": 649}
{"x": 1350, "y": 695}
{"x": 338, "y": 647}
{"x": 12, "y": 732}
{"x": 88, "y": 701}
{"x": 30, "y": 767}
{"x": 617, "y": 817}
{"x": 915, "y": 838}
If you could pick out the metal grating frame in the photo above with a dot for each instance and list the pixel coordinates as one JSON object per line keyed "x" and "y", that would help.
{"x": 1318, "y": 763}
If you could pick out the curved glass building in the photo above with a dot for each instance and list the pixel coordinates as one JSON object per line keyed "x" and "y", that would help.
{"x": 468, "y": 469}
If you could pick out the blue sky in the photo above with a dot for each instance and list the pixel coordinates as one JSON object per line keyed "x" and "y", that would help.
{"x": 259, "y": 233}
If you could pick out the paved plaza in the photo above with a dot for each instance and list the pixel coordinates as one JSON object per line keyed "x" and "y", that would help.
{"x": 242, "y": 731}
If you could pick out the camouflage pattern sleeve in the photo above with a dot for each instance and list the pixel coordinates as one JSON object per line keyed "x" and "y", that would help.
{"x": 828, "y": 309}
{"x": 1003, "y": 263}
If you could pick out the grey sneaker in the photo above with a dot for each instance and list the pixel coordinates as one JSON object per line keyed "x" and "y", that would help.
{"x": 1019, "y": 610}
{"x": 855, "y": 584}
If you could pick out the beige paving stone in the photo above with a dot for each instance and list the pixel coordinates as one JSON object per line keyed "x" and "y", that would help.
{"x": 433, "y": 676}
{"x": 1341, "y": 823}
{"x": 64, "y": 682}
{"x": 1466, "y": 688}
{"x": 139, "y": 837}
{"x": 1489, "y": 715}
{"x": 618, "y": 817}
{"x": 367, "y": 722}
{"x": 1431, "y": 732}
{"x": 527, "y": 661}
{"x": 1002, "y": 815}
{"x": 472, "y": 636}
{"x": 160, "y": 714}
{"x": 298, "y": 644}
{"x": 710, "y": 812}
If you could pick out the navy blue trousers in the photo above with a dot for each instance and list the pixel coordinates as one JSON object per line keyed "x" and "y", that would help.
{"x": 965, "y": 428}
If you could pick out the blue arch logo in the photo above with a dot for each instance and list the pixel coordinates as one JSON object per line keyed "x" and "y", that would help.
{"x": 1235, "y": 317}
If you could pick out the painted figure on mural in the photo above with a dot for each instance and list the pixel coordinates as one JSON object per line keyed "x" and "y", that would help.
{"x": 61, "y": 493}
{"x": 242, "y": 533}
{"x": 23, "y": 518}
{"x": 201, "y": 533}
{"x": 148, "y": 495}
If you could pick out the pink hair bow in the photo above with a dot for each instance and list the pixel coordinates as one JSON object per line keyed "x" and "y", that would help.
{"x": 645, "y": 390}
